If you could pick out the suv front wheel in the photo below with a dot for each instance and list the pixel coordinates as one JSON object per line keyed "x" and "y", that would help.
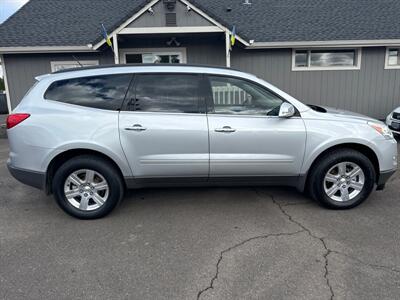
{"x": 87, "y": 187}
{"x": 342, "y": 179}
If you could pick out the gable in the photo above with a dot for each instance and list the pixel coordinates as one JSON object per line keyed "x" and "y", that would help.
{"x": 158, "y": 18}
{"x": 73, "y": 24}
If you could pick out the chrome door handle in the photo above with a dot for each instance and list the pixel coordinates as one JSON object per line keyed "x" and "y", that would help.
{"x": 227, "y": 129}
{"x": 136, "y": 127}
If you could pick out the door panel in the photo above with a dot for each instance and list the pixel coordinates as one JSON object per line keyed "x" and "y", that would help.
{"x": 163, "y": 128}
{"x": 247, "y": 138}
{"x": 259, "y": 146}
{"x": 171, "y": 144}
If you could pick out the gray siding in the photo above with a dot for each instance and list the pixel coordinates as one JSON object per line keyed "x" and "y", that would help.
{"x": 372, "y": 90}
{"x": 206, "y": 53}
{"x": 23, "y": 68}
{"x": 183, "y": 17}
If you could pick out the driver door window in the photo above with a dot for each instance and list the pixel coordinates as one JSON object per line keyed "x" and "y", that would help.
{"x": 238, "y": 97}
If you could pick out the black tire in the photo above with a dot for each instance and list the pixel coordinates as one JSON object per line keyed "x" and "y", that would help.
{"x": 98, "y": 164}
{"x": 325, "y": 163}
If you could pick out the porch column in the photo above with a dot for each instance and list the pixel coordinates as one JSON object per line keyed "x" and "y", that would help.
{"x": 228, "y": 48}
{"x": 115, "y": 48}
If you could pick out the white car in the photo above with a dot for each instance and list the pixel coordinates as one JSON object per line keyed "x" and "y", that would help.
{"x": 85, "y": 135}
{"x": 393, "y": 121}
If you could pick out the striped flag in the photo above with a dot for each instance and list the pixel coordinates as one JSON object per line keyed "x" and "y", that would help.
{"x": 105, "y": 35}
{"x": 233, "y": 36}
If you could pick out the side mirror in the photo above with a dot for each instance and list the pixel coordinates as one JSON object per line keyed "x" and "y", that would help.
{"x": 286, "y": 110}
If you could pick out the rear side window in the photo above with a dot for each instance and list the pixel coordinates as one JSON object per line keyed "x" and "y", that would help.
{"x": 178, "y": 93}
{"x": 104, "y": 92}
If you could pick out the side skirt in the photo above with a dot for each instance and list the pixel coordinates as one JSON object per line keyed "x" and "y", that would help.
{"x": 141, "y": 182}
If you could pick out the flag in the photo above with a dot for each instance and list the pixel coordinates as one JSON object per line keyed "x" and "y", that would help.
{"x": 105, "y": 35}
{"x": 233, "y": 36}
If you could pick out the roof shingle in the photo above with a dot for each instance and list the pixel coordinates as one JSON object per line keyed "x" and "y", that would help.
{"x": 77, "y": 22}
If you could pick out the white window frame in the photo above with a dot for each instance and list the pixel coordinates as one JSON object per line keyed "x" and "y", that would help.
{"x": 181, "y": 51}
{"x": 387, "y": 66}
{"x": 6, "y": 87}
{"x": 358, "y": 52}
{"x": 85, "y": 63}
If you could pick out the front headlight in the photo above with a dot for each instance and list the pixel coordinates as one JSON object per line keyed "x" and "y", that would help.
{"x": 382, "y": 129}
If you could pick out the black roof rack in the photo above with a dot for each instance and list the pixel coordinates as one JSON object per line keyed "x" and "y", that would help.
{"x": 138, "y": 65}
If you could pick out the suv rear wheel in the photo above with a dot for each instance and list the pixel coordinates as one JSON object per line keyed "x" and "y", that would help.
{"x": 87, "y": 187}
{"x": 342, "y": 179}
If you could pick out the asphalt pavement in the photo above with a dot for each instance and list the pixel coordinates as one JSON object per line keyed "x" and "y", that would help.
{"x": 207, "y": 243}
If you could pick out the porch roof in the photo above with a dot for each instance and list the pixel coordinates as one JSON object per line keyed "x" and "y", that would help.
{"x": 76, "y": 23}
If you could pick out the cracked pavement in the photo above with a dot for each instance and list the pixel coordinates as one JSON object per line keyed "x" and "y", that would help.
{"x": 199, "y": 243}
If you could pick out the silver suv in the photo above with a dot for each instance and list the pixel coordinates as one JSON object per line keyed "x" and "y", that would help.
{"x": 86, "y": 135}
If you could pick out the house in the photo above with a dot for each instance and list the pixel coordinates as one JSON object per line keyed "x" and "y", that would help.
{"x": 340, "y": 53}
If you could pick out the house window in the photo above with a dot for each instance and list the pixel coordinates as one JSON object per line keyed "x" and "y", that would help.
{"x": 392, "y": 58}
{"x": 61, "y": 65}
{"x": 154, "y": 56}
{"x": 335, "y": 59}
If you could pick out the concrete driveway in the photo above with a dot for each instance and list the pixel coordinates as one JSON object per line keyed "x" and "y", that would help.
{"x": 208, "y": 243}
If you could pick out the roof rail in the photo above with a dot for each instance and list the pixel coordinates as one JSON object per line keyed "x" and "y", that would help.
{"x": 139, "y": 65}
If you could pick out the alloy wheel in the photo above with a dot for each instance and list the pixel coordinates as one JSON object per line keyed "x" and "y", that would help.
{"x": 344, "y": 181}
{"x": 86, "y": 189}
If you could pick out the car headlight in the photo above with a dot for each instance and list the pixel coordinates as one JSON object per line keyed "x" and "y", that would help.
{"x": 382, "y": 129}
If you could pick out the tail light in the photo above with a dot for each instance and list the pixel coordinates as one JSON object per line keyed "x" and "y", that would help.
{"x": 15, "y": 119}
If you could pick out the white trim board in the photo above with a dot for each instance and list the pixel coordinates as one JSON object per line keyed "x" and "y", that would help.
{"x": 127, "y": 22}
{"x": 207, "y": 17}
{"x": 255, "y": 45}
{"x": 153, "y": 2}
{"x": 155, "y": 30}
{"x": 330, "y": 44}
{"x": 46, "y": 49}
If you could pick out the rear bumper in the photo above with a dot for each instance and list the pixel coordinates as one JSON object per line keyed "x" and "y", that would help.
{"x": 32, "y": 178}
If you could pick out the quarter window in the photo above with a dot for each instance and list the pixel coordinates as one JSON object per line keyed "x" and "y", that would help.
{"x": 239, "y": 97}
{"x": 326, "y": 59}
{"x": 104, "y": 92}
{"x": 176, "y": 93}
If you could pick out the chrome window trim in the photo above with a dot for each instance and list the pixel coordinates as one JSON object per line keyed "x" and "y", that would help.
{"x": 206, "y": 114}
{"x": 162, "y": 112}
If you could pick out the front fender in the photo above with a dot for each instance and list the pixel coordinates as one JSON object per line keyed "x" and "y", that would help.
{"x": 323, "y": 135}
